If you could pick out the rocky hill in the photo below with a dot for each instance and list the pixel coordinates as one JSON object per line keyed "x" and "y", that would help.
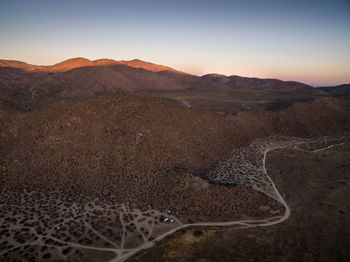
{"x": 120, "y": 138}
{"x": 139, "y": 149}
{"x": 145, "y": 149}
{"x": 324, "y": 116}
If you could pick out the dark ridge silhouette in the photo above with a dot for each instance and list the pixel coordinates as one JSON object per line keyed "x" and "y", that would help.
{"x": 258, "y": 83}
{"x": 340, "y": 90}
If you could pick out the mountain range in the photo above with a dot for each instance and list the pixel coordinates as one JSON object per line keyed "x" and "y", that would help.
{"x": 83, "y": 62}
{"x": 24, "y": 87}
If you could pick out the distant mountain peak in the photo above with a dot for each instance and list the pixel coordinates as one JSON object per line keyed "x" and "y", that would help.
{"x": 213, "y": 75}
{"x": 77, "y": 59}
{"x": 137, "y": 60}
{"x": 76, "y": 62}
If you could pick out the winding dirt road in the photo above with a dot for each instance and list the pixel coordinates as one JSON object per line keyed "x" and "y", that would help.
{"x": 241, "y": 223}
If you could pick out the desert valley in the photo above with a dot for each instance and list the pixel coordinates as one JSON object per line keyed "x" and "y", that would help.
{"x": 132, "y": 161}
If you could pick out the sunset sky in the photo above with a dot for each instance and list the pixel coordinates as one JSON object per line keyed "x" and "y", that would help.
{"x": 301, "y": 40}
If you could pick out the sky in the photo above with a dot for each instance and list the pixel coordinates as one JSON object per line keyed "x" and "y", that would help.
{"x": 302, "y": 40}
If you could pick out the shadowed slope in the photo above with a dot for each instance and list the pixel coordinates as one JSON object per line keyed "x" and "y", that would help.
{"x": 30, "y": 90}
{"x": 258, "y": 83}
{"x": 341, "y": 90}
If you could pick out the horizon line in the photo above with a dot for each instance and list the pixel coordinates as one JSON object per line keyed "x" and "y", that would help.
{"x": 312, "y": 84}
